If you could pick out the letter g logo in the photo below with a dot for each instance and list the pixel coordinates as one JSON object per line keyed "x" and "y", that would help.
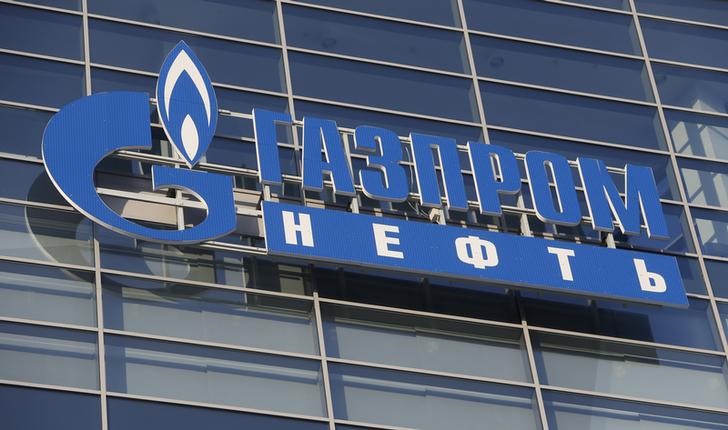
{"x": 85, "y": 131}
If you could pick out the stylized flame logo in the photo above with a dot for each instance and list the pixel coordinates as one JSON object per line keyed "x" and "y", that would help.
{"x": 186, "y": 103}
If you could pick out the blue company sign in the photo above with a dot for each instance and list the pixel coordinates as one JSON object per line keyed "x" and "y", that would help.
{"x": 87, "y": 130}
{"x": 425, "y": 248}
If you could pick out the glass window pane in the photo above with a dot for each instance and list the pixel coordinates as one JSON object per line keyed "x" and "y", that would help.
{"x": 65, "y": 4}
{"x": 693, "y": 327}
{"x": 402, "y": 125}
{"x": 612, "y": 4}
{"x": 424, "y": 343}
{"x": 210, "y": 375}
{"x": 684, "y": 42}
{"x": 181, "y": 262}
{"x": 712, "y": 229}
{"x": 711, "y": 11}
{"x": 718, "y": 275}
{"x": 28, "y": 181}
{"x": 47, "y": 293}
{"x": 40, "y": 82}
{"x": 31, "y": 408}
{"x": 373, "y": 38}
{"x": 47, "y": 355}
{"x": 444, "y": 12}
{"x": 145, "y": 48}
{"x": 561, "y": 68}
{"x": 692, "y": 275}
{"x": 692, "y": 88}
{"x": 554, "y": 23}
{"x": 387, "y": 87}
{"x": 551, "y": 112}
{"x": 661, "y": 165}
{"x": 573, "y": 412}
{"x": 245, "y": 19}
{"x": 706, "y": 183}
{"x": 43, "y": 234}
{"x": 427, "y": 402}
{"x": 125, "y": 414}
{"x": 41, "y": 32}
{"x": 631, "y": 370}
{"x": 22, "y": 130}
{"x": 208, "y": 314}
{"x": 698, "y": 134}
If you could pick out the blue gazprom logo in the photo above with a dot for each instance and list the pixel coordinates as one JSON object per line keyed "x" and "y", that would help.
{"x": 82, "y": 133}
{"x": 87, "y": 130}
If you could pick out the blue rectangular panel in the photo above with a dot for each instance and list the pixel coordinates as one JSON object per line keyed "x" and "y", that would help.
{"x": 432, "y": 249}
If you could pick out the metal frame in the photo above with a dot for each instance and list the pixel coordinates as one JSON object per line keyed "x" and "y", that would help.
{"x": 316, "y": 301}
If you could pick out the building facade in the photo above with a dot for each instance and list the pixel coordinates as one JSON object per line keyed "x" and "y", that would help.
{"x": 98, "y": 330}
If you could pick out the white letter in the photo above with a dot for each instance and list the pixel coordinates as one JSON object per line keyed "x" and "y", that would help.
{"x": 563, "y": 255}
{"x": 290, "y": 227}
{"x": 649, "y": 281}
{"x": 471, "y": 250}
{"x": 382, "y": 241}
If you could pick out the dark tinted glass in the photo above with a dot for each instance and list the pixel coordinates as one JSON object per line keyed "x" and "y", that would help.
{"x": 40, "y": 82}
{"x": 22, "y": 130}
{"x": 442, "y": 12}
{"x": 685, "y": 43}
{"x": 561, "y": 68}
{"x": 125, "y": 414}
{"x": 711, "y": 11}
{"x": 248, "y": 19}
{"x": 680, "y": 239}
{"x": 42, "y": 32}
{"x": 386, "y": 87}
{"x": 66, "y": 4}
{"x": 30, "y": 408}
{"x": 551, "y": 112}
{"x": 718, "y": 275}
{"x": 692, "y": 275}
{"x": 27, "y": 181}
{"x": 554, "y": 23}
{"x": 373, "y": 38}
{"x": 145, "y": 49}
{"x": 612, "y": 4}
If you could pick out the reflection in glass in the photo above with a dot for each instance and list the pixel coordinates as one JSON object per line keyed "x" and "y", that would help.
{"x": 47, "y": 355}
{"x": 698, "y": 134}
{"x": 208, "y": 314}
{"x": 424, "y": 343}
{"x": 22, "y": 130}
{"x": 211, "y": 375}
{"x": 27, "y": 181}
{"x": 573, "y": 412}
{"x": 692, "y": 88}
{"x": 31, "y": 408}
{"x": 718, "y": 275}
{"x": 631, "y": 370}
{"x": 685, "y": 43}
{"x": 47, "y": 293}
{"x": 428, "y": 402}
{"x": 680, "y": 239}
{"x": 44, "y": 234}
{"x": 711, "y": 11}
{"x": 712, "y": 227}
{"x": 706, "y": 183}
